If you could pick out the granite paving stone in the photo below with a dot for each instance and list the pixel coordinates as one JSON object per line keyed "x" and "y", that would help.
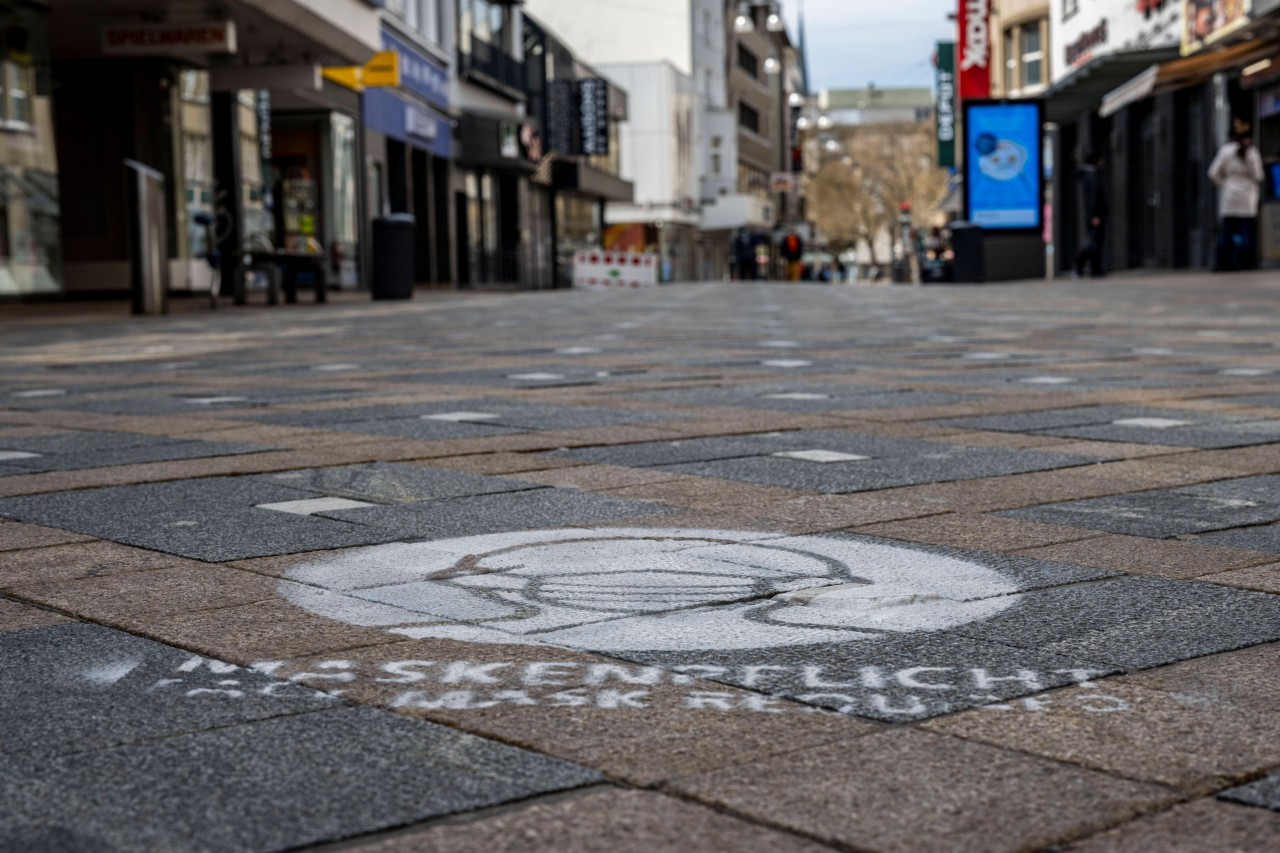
{"x": 1156, "y": 515}
{"x": 1265, "y": 793}
{"x": 1259, "y": 578}
{"x": 61, "y": 563}
{"x": 270, "y": 785}
{"x": 488, "y": 514}
{"x": 16, "y": 537}
{"x": 1182, "y": 740}
{"x": 1191, "y": 828}
{"x": 391, "y": 483}
{"x": 1137, "y": 555}
{"x": 899, "y": 791}
{"x": 79, "y": 688}
{"x": 599, "y": 821}
{"x": 1135, "y": 622}
{"x": 17, "y": 617}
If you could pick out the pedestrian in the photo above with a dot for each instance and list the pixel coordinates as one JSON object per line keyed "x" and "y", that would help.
{"x": 1237, "y": 172}
{"x": 1093, "y": 202}
{"x": 793, "y": 254}
{"x": 743, "y": 255}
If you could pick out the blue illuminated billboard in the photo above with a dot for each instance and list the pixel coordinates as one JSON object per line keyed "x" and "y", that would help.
{"x": 1004, "y": 164}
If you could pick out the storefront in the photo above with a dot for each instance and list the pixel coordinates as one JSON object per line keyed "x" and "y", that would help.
{"x": 227, "y": 105}
{"x": 30, "y": 212}
{"x": 410, "y": 142}
{"x": 500, "y": 221}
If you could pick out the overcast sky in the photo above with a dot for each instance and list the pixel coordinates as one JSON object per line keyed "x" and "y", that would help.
{"x": 888, "y": 42}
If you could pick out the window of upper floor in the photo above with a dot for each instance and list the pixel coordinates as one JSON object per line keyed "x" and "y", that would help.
{"x": 1026, "y": 69}
{"x": 748, "y": 62}
{"x": 748, "y": 117}
{"x": 425, "y": 17}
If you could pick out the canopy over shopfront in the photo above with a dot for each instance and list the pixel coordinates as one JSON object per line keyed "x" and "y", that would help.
{"x": 1082, "y": 91}
{"x": 1179, "y": 73}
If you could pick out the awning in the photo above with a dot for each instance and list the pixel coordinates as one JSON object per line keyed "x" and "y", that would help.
{"x": 1084, "y": 89}
{"x": 1180, "y": 73}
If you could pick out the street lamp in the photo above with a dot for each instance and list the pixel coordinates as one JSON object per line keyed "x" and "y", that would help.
{"x": 772, "y": 65}
{"x": 774, "y": 22}
{"x": 744, "y": 21}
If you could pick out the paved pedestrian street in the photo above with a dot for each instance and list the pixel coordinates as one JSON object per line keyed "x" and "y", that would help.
{"x": 705, "y": 567}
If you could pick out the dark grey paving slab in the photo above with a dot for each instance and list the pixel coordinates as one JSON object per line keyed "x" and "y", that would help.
{"x": 390, "y": 483}
{"x": 495, "y": 513}
{"x": 811, "y": 397}
{"x": 1265, "y": 793}
{"x": 75, "y": 688}
{"x": 1263, "y": 489}
{"x": 896, "y": 679}
{"x": 1156, "y": 515}
{"x": 213, "y": 519}
{"x": 1265, "y": 538}
{"x": 1205, "y": 435}
{"x": 943, "y": 464}
{"x": 272, "y": 785}
{"x": 1135, "y": 622}
{"x": 651, "y": 453}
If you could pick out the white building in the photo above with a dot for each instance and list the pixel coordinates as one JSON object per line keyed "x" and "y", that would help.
{"x": 670, "y": 57}
{"x": 1085, "y": 30}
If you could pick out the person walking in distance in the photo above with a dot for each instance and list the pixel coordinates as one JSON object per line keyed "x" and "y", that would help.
{"x": 793, "y": 254}
{"x": 1237, "y": 172}
{"x": 1093, "y": 202}
{"x": 743, "y": 256}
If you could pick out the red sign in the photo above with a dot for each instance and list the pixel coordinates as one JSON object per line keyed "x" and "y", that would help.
{"x": 974, "y": 62}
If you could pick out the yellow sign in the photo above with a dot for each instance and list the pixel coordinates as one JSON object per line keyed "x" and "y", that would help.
{"x": 381, "y": 72}
{"x": 350, "y": 76}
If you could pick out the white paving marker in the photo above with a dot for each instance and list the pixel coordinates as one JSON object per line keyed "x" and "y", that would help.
{"x": 826, "y": 457}
{"x": 577, "y": 351}
{"x": 460, "y": 417}
{"x": 535, "y": 377}
{"x": 334, "y": 368}
{"x": 1246, "y": 371}
{"x": 8, "y": 455}
{"x": 39, "y": 392}
{"x": 778, "y": 344}
{"x": 797, "y": 395}
{"x": 1152, "y": 351}
{"x": 632, "y": 589}
{"x": 1048, "y": 380}
{"x": 311, "y": 506}
{"x": 215, "y": 401}
{"x": 988, "y": 356}
{"x": 787, "y": 362}
{"x": 1151, "y": 423}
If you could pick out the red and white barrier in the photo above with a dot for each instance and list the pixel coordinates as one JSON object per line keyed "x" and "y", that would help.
{"x": 603, "y": 269}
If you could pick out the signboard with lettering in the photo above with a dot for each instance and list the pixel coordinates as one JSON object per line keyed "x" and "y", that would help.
{"x": 945, "y": 112}
{"x": 1210, "y": 21}
{"x": 1004, "y": 164}
{"x": 562, "y": 116}
{"x": 974, "y": 62}
{"x": 1084, "y": 31}
{"x": 408, "y": 120}
{"x": 593, "y": 109}
{"x": 167, "y": 39}
{"x": 615, "y": 269}
{"x": 419, "y": 73}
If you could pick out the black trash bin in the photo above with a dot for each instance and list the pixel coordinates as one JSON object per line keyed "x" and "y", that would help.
{"x": 970, "y": 265}
{"x": 393, "y": 257}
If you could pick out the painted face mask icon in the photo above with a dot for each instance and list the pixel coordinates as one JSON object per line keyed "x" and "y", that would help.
{"x": 1004, "y": 162}
{"x": 650, "y": 590}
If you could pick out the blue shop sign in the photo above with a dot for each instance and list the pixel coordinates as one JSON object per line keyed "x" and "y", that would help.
{"x": 408, "y": 122}
{"x": 419, "y": 73}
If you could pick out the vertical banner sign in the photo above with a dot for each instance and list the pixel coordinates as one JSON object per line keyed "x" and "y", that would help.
{"x": 974, "y": 62}
{"x": 593, "y": 102}
{"x": 946, "y": 107}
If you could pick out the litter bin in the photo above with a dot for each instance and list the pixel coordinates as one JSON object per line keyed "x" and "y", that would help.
{"x": 393, "y": 257}
{"x": 970, "y": 265}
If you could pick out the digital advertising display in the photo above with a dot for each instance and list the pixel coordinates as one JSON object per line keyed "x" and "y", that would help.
{"x": 1004, "y": 164}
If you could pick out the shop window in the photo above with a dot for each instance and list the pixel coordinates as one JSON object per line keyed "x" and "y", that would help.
{"x": 748, "y": 118}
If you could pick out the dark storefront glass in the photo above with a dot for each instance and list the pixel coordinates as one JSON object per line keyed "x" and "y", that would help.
{"x": 30, "y": 212}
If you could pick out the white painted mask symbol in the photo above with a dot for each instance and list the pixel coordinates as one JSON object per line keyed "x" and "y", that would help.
{"x": 650, "y": 590}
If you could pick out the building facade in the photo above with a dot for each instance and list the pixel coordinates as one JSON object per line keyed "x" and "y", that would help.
{"x": 212, "y": 98}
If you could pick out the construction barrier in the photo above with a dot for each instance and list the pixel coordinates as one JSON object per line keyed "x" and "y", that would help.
{"x": 601, "y": 269}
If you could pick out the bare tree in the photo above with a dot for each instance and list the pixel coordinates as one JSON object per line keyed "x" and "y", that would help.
{"x": 864, "y": 179}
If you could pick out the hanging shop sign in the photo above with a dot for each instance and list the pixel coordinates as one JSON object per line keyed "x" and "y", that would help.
{"x": 383, "y": 72}
{"x": 166, "y": 39}
{"x": 1004, "y": 164}
{"x": 945, "y": 111}
{"x": 1206, "y": 22}
{"x": 408, "y": 121}
{"x": 593, "y": 111}
{"x": 974, "y": 62}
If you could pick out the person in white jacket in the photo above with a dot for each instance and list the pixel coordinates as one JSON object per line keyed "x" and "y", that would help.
{"x": 1237, "y": 172}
